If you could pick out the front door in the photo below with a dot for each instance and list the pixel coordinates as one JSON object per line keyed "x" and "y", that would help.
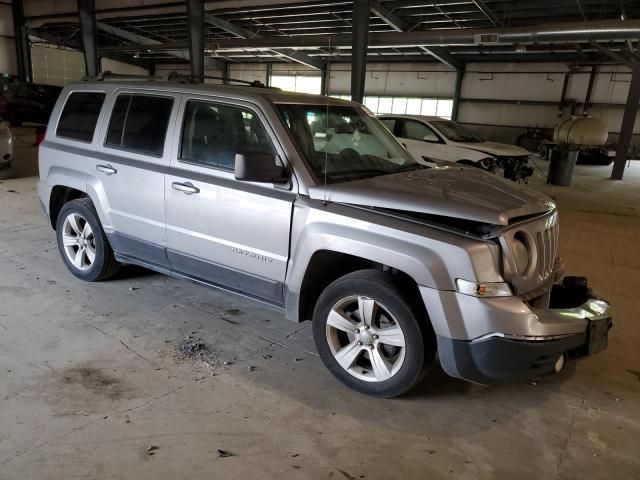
{"x": 228, "y": 233}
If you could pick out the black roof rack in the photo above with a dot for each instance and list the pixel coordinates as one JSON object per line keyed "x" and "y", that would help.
{"x": 171, "y": 77}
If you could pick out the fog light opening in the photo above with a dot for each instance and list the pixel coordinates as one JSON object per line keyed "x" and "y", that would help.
{"x": 560, "y": 363}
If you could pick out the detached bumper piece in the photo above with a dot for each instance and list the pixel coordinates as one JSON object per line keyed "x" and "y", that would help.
{"x": 501, "y": 358}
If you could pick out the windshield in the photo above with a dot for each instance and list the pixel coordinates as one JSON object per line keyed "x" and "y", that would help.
{"x": 344, "y": 143}
{"x": 456, "y": 132}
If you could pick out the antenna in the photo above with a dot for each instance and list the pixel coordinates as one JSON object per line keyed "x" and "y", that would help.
{"x": 326, "y": 125}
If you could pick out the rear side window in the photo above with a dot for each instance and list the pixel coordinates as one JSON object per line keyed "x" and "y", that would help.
{"x": 80, "y": 116}
{"x": 139, "y": 123}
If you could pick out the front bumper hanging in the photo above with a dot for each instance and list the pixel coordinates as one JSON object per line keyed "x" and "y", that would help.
{"x": 504, "y": 358}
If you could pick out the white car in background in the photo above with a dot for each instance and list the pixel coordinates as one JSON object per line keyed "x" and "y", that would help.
{"x": 6, "y": 149}
{"x": 436, "y": 140}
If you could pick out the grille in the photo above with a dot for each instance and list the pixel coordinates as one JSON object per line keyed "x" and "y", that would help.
{"x": 547, "y": 249}
{"x": 542, "y": 234}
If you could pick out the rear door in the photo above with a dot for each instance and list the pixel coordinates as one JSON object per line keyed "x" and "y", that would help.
{"x": 219, "y": 230}
{"x": 127, "y": 173}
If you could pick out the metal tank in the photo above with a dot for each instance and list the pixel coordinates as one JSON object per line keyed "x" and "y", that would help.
{"x": 580, "y": 132}
{"x": 572, "y": 136}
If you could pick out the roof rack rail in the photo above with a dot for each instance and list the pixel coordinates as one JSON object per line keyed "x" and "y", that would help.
{"x": 171, "y": 77}
{"x": 108, "y": 75}
{"x": 254, "y": 83}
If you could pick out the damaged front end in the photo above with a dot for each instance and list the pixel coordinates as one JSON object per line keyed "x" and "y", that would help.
{"x": 542, "y": 320}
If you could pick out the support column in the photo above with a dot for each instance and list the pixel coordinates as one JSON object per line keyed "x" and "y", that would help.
{"x": 360, "y": 37}
{"x": 269, "y": 73}
{"x": 587, "y": 98}
{"x": 628, "y": 122}
{"x": 21, "y": 38}
{"x": 87, "y": 18}
{"x": 195, "y": 24}
{"x": 225, "y": 73}
{"x": 325, "y": 79}
{"x": 456, "y": 95}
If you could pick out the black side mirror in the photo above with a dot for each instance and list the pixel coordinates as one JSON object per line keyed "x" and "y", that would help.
{"x": 259, "y": 167}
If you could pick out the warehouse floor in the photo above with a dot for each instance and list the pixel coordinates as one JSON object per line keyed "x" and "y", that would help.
{"x": 92, "y": 387}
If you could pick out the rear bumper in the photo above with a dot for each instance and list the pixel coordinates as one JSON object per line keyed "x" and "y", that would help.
{"x": 501, "y": 357}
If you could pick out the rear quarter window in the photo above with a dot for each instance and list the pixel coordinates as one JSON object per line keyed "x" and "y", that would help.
{"x": 80, "y": 115}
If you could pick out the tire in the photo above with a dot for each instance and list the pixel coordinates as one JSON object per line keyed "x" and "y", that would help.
{"x": 90, "y": 258}
{"x": 346, "y": 338}
{"x": 5, "y": 172}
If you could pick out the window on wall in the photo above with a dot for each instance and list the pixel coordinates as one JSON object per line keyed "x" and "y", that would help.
{"x": 298, "y": 83}
{"x": 441, "y": 107}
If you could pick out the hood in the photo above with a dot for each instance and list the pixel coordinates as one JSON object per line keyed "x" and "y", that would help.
{"x": 494, "y": 148}
{"x": 465, "y": 193}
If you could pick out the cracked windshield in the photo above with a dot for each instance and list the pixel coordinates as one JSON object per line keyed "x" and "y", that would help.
{"x": 344, "y": 142}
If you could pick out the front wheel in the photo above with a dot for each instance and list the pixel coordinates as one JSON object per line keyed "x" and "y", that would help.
{"x": 369, "y": 335}
{"x": 83, "y": 244}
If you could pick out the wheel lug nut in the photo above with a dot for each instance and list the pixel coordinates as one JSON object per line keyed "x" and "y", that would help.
{"x": 359, "y": 344}
{"x": 375, "y": 337}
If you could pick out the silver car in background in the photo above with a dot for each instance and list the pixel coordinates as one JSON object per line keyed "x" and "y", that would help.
{"x": 309, "y": 204}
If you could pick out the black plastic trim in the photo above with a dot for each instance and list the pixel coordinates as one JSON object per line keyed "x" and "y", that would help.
{"x": 501, "y": 360}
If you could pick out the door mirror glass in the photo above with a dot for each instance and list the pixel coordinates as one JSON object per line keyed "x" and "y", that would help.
{"x": 258, "y": 167}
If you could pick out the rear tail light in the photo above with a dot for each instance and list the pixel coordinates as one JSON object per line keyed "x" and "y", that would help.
{"x": 40, "y": 132}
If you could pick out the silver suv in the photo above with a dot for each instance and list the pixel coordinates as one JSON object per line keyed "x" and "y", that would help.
{"x": 310, "y": 205}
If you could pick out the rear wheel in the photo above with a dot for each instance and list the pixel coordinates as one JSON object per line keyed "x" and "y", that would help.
{"x": 83, "y": 244}
{"x": 369, "y": 335}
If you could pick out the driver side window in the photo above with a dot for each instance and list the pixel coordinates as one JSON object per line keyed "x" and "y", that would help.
{"x": 415, "y": 130}
{"x": 213, "y": 133}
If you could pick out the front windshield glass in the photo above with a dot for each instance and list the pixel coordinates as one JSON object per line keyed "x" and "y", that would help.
{"x": 344, "y": 142}
{"x": 456, "y": 132}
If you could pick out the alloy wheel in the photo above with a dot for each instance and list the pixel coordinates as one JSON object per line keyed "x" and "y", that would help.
{"x": 365, "y": 339}
{"x": 78, "y": 241}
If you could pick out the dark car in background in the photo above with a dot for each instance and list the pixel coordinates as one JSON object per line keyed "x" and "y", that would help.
{"x": 28, "y": 102}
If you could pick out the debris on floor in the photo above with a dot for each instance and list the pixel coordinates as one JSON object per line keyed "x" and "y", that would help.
{"x": 199, "y": 351}
{"x": 151, "y": 449}
{"x": 224, "y": 453}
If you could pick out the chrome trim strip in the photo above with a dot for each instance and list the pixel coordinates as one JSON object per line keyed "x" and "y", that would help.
{"x": 523, "y": 338}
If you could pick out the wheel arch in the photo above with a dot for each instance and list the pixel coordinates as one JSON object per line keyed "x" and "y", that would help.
{"x": 60, "y": 195}
{"x": 325, "y": 266}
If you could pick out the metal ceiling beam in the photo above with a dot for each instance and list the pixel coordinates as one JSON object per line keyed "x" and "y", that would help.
{"x": 388, "y": 17}
{"x": 399, "y": 25}
{"x": 143, "y": 41}
{"x": 559, "y": 32}
{"x": 55, "y": 40}
{"x": 288, "y": 53}
{"x": 487, "y": 13}
{"x": 618, "y": 57}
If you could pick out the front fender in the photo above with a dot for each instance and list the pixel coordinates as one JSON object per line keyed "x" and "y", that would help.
{"x": 432, "y": 258}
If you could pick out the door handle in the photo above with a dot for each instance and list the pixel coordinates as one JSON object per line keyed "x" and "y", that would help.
{"x": 187, "y": 188}
{"x": 108, "y": 169}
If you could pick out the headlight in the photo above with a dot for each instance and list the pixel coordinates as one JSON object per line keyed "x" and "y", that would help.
{"x": 486, "y": 289}
{"x": 521, "y": 253}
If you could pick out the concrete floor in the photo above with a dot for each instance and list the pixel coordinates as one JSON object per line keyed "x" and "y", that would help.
{"x": 89, "y": 379}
